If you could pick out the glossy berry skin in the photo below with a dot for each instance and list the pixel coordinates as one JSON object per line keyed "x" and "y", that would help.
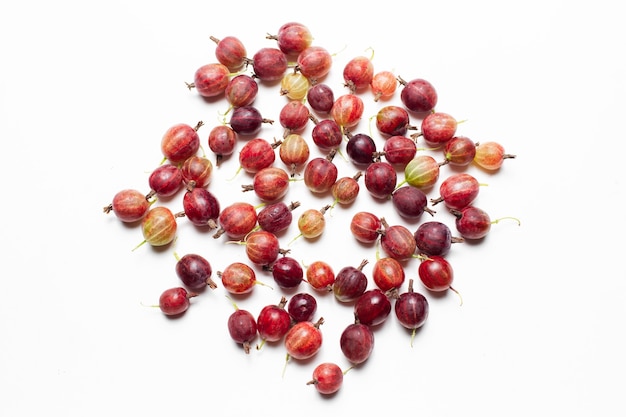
{"x": 293, "y": 116}
{"x": 418, "y": 95}
{"x": 320, "y": 174}
{"x": 236, "y": 220}
{"x": 302, "y": 307}
{"x": 436, "y": 273}
{"x": 357, "y": 342}
{"x": 175, "y": 301}
{"x": 179, "y": 142}
{"x": 242, "y": 328}
{"x": 327, "y": 378}
{"x": 269, "y": 184}
{"x": 361, "y": 149}
{"x": 321, "y": 98}
{"x": 383, "y": 85}
{"x": 238, "y": 278}
{"x": 129, "y": 206}
{"x": 422, "y": 172}
{"x": 365, "y": 227}
{"x": 388, "y": 273}
{"x": 222, "y": 140}
{"x": 347, "y": 110}
{"x": 397, "y": 242}
{"x": 458, "y": 191}
{"x": 294, "y": 152}
{"x": 373, "y": 307}
{"x": 210, "y": 80}
{"x": 287, "y": 272}
{"x": 490, "y": 155}
{"x": 166, "y": 180}
{"x": 350, "y": 283}
{"x": 294, "y": 86}
{"x": 411, "y": 309}
{"x": 459, "y": 151}
{"x": 195, "y": 271}
{"x": 314, "y": 63}
{"x": 410, "y": 202}
{"x": 327, "y": 135}
{"x": 472, "y": 222}
{"x": 358, "y": 73}
{"x": 434, "y": 238}
{"x": 231, "y": 52}
{"x": 273, "y": 321}
{"x": 346, "y": 189}
{"x": 247, "y": 120}
{"x": 201, "y": 207}
{"x": 304, "y": 339}
{"x": 320, "y": 275}
{"x": 293, "y": 38}
{"x": 399, "y": 150}
{"x": 312, "y": 222}
{"x": 241, "y": 90}
{"x": 276, "y": 217}
{"x": 159, "y": 226}
{"x": 438, "y": 128}
{"x": 262, "y": 247}
{"x": 256, "y": 154}
{"x": 392, "y": 121}
{"x": 269, "y": 64}
{"x": 380, "y": 179}
{"x": 197, "y": 169}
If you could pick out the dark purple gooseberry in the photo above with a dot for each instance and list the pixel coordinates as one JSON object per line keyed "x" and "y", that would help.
{"x": 302, "y": 307}
{"x": 247, "y": 120}
{"x": 287, "y": 272}
{"x": 434, "y": 238}
{"x": 410, "y": 202}
{"x": 361, "y": 149}
{"x": 327, "y": 134}
{"x": 321, "y": 98}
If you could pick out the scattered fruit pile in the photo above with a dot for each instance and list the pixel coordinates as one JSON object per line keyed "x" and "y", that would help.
{"x": 318, "y": 123}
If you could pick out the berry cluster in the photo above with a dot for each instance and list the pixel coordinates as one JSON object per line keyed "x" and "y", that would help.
{"x": 399, "y": 173}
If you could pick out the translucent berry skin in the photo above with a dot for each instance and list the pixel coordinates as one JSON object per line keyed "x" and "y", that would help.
{"x": 222, "y": 140}
{"x": 197, "y": 169}
{"x": 256, "y": 154}
{"x": 238, "y": 278}
{"x": 241, "y": 90}
{"x": 422, "y": 172}
{"x": 388, "y": 273}
{"x": 320, "y": 174}
{"x": 459, "y": 151}
{"x": 398, "y": 242}
{"x": 129, "y": 206}
{"x": 347, "y": 110}
{"x": 231, "y": 52}
{"x": 211, "y": 80}
{"x": 383, "y": 85}
{"x": 327, "y": 135}
{"x": 246, "y": 120}
{"x": 237, "y": 220}
{"x": 410, "y": 202}
{"x": 303, "y": 340}
{"x": 179, "y": 142}
{"x": 327, "y": 378}
{"x": 350, "y": 283}
{"x": 271, "y": 184}
{"x": 365, "y": 227}
{"x": 159, "y": 226}
{"x": 314, "y": 63}
{"x": 320, "y": 276}
{"x": 490, "y": 155}
{"x": 358, "y": 73}
{"x": 380, "y": 179}
{"x": 357, "y": 342}
{"x": 438, "y": 128}
{"x": 276, "y": 217}
{"x": 262, "y": 247}
{"x": 293, "y": 38}
{"x": 392, "y": 120}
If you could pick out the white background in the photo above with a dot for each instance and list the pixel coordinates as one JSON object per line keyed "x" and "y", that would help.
{"x": 86, "y": 92}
